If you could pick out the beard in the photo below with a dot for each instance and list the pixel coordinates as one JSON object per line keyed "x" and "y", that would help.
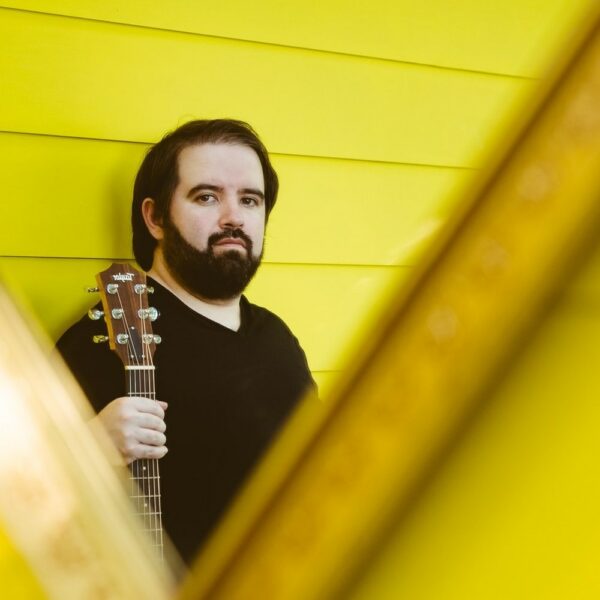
{"x": 203, "y": 273}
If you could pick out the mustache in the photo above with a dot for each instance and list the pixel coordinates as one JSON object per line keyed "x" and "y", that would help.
{"x": 229, "y": 234}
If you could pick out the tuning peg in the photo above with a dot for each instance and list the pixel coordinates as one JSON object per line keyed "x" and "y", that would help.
{"x": 150, "y": 338}
{"x": 91, "y": 290}
{"x": 140, "y": 288}
{"x": 98, "y": 339}
{"x": 94, "y": 314}
{"x": 148, "y": 313}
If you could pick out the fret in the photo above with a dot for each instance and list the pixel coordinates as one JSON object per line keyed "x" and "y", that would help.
{"x": 139, "y": 367}
{"x": 145, "y": 496}
{"x": 147, "y": 514}
{"x": 144, "y": 477}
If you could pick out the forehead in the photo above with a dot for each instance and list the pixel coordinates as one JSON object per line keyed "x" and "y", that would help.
{"x": 226, "y": 165}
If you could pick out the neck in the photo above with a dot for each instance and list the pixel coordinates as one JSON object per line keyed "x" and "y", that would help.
{"x": 224, "y": 312}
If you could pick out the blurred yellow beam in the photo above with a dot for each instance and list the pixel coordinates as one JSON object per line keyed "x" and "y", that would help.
{"x": 446, "y": 339}
{"x": 63, "y": 509}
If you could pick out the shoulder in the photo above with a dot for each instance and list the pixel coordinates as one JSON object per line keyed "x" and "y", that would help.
{"x": 95, "y": 366}
{"x": 261, "y": 317}
{"x": 265, "y": 326}
{"x": 79, "y": 332}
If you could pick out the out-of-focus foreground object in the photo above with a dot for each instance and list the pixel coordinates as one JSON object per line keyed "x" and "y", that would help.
{"x": 458, "y": 458}
{"x": 66, "y": 528}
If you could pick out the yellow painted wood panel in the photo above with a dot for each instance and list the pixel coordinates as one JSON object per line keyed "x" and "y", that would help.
{"x": 513, "y": 37}
{"x": 329, "y": 211}
{"x": 328, "y": 308}
{"x": 66, "y": 197}
{"x": 514, "y": 512}
{"x": 325, "y": 381}
{"x": 90, "y": 79}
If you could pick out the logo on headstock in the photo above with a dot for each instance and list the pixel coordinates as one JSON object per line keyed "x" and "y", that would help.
{"x": 123, "y": 277}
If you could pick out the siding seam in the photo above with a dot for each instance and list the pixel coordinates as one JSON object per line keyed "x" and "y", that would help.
{"x": 286, "y": 154}
{"x": 288, "y": 47}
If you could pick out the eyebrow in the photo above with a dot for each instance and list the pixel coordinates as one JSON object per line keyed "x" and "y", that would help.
{"x": 218, "y": 188}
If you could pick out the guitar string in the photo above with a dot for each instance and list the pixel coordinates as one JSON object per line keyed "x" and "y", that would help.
{"x": 149, "y": 377}
{"x": 133, "y": 391}
{"x": 144, "y": 381}
{"x": 147, "y": 468}
{"x": 144, "y": 508}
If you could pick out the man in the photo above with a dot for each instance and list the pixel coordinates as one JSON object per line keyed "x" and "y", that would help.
{"x": 230, "y": 372}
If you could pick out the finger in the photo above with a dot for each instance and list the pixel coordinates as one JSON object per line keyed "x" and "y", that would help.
{"x": 149, "y": 437}
{"x": 143, "y": 451}
{"x": 142, "y": 420}
{"x": 147, "y": 405}
{"x": 148, "y": 421}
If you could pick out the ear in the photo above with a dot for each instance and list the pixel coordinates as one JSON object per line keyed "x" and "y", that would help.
{"x": 153, "y": 224}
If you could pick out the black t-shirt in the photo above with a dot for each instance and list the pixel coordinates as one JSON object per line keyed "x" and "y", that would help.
{"x": 228, "y": 391}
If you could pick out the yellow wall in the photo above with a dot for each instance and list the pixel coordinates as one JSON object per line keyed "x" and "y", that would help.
{"x": 373, "y": 117}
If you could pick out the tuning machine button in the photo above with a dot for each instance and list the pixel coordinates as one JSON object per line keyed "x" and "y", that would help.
{"x": 148, "y": 313}
{"x": 95, "y": 314}
{"x": 99, "y": 339}
{"x": 140, "y": 288}
{"x": 150, "y": 338}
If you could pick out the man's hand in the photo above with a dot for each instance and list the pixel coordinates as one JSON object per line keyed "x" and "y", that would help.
{"x": 136, "y": 427}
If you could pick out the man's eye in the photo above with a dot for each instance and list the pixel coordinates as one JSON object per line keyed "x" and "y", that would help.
{"x": 250, "y": 201}
{"x": 205, "y": 198}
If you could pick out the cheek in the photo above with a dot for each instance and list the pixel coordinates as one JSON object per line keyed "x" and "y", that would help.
{"x": 194, "y": 232}
{"x": 259, "y": 232}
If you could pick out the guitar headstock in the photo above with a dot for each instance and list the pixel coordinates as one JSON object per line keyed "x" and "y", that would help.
{"x": 128, "y": 317}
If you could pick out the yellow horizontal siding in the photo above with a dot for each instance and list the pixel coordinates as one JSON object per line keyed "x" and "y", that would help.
{"x": 326, "y": 307}
{"x": 329, "y": 211}
{"x": 494, "y": 36}
{"x": 85, "y": 78}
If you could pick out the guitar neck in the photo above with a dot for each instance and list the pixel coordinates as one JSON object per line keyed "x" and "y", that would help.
{"x": 145, "y": 473}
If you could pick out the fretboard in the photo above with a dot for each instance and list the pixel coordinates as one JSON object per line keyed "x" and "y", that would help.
{"x": 145, "y": 475}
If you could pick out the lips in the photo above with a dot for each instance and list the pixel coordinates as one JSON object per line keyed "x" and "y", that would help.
{"x": 231, "y": 242}
{"x": 231, "y": 239}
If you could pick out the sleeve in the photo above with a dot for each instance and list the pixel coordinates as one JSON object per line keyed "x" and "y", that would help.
{"x": 96, "y": 368}
{"x": 310, "y": 383}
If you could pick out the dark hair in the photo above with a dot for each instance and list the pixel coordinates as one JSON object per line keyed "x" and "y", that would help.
{"x": 158, "y": 175}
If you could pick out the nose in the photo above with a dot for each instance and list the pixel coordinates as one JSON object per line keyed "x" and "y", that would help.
{"x": 231, "y": 214}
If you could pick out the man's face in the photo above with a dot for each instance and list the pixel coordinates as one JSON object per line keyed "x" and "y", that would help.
{"x": 213, "y": 236}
